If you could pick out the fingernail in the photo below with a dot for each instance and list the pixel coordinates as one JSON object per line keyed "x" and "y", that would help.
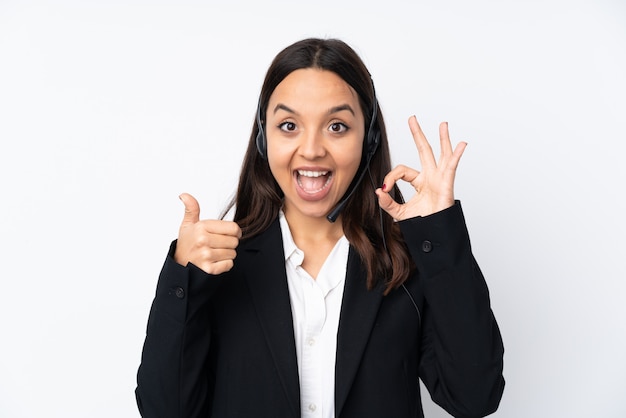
{"x": 384, "y": 187}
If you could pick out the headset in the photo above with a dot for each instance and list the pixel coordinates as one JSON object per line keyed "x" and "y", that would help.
{"x": 371, "y": 143}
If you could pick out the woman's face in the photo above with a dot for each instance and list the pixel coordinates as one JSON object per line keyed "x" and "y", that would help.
{"x": 315, "y": 130}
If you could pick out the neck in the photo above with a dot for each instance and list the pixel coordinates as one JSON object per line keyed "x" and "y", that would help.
{"x": 308, "y": 230}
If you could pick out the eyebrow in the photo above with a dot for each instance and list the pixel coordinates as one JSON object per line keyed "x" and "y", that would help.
{"x": 341, "y": 108}
{"x": 280, "y": 106}
{"x": 332, "y": 110}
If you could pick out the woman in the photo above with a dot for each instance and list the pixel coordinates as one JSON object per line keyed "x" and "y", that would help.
{"x": 314, "y": 301}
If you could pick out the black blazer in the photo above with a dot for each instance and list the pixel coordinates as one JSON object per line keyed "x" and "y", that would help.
{"x": 223, "y": 346}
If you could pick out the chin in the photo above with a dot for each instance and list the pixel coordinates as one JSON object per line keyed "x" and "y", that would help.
{"x": 313, "y": 211}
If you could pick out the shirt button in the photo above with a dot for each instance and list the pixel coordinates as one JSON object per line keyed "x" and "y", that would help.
{"x": 179, "y": 292}
{"x": 312, "y": 407}
{"x": 427, "y": 246}
{"x": 311, "y": 343}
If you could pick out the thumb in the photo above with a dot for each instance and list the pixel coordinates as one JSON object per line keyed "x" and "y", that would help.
{"x": 192, "y": 209}
{"x": 387, "y": 203}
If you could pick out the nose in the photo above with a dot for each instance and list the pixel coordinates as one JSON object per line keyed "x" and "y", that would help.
{"x": 312, "y": 145}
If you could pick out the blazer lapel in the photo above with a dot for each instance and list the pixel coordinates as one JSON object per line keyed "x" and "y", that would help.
{"x": 267, "y": 279}
{"x": 358, "y": 314}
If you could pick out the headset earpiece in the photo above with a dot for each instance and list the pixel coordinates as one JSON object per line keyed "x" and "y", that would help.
{"x": 373, "y": 133}
{"x": 372, "y": 141}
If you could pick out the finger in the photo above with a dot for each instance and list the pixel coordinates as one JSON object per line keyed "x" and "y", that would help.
{"x": 221, "y": 227}
{"x": 399, "y": 172}
{"x": 423, "y": 147}
{"x": 386, "y": 203}
{"x": 192, "y": 209}
{"x": 444, "y": 139}
{"x": 456, "y": 156}
{"x": 211, "y": 240}
{"x": 216, "y": 267}
{"x": 215, "y": 255}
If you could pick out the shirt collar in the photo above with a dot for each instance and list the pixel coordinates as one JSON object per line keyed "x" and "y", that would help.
{"x": 289, "y": 245}
{"x": 295, "y": 254}
{"x": 338, "y": 258}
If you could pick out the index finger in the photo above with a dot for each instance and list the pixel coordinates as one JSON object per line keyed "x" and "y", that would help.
{"x": 423, "y": 147}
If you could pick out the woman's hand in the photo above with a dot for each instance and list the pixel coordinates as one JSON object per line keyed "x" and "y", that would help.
{"x": 434, "y": 185}
{"x": 208, "y": 244}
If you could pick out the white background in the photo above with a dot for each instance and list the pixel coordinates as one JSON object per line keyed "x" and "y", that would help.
{"x": 110, "y": 109}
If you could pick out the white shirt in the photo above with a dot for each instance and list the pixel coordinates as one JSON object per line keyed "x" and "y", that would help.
{"x": 315, "y": 308}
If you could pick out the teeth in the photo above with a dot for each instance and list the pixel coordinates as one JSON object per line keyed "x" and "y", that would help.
{"x": 306, "y": 173}
{"x": 313, "y": 174}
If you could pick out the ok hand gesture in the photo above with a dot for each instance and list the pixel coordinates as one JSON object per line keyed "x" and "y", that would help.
{"x": 434, "y": 185}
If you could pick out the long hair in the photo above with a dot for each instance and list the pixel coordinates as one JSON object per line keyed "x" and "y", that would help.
{"x": 371, "y": 231}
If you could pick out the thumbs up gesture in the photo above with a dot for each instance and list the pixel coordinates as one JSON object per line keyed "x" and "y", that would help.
{"x": 208, "y": 244}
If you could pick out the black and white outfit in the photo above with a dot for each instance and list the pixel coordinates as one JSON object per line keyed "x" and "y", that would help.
{"x": 265, "y": 340}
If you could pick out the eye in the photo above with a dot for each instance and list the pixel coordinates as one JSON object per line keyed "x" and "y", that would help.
{"x": 287, "y": 126}
{"x": 338, "y": 127}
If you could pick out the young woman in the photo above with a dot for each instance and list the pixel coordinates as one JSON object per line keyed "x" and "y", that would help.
{"x": 327, "y": 296}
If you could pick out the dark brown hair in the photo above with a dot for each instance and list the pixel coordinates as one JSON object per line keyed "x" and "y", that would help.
{"x": 372, "y": 232}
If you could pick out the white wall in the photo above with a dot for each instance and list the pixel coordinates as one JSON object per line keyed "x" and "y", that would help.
{"x": 110, "y": 109}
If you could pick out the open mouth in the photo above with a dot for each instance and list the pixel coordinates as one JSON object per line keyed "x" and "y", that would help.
{"x": 312, "y": 182}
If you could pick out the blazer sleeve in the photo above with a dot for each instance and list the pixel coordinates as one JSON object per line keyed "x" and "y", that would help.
{"x": 462, "y": 352}
{"x": 172, "y": 380}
